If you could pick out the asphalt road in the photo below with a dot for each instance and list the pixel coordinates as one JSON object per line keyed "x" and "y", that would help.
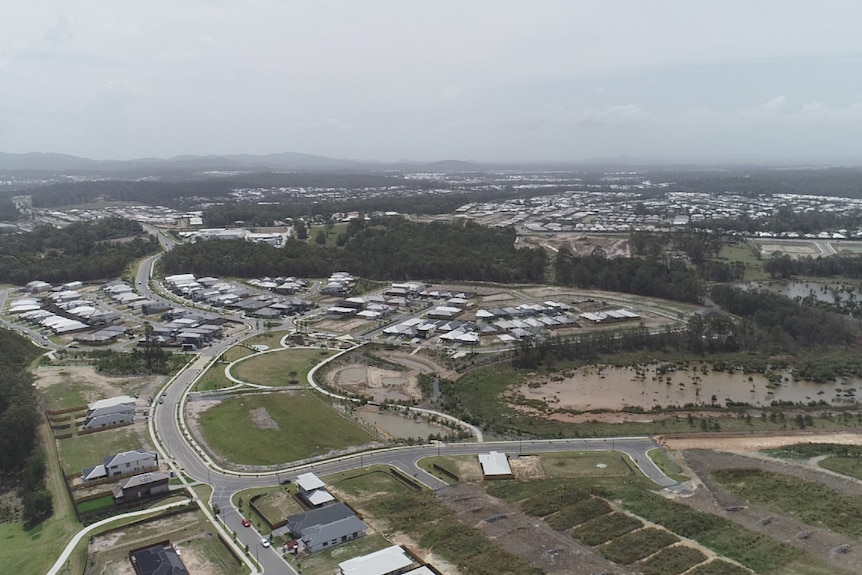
{"x": 177, "y": 451}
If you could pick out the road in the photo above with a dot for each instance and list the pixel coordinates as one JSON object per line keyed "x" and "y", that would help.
{"x": 179, "y": 450}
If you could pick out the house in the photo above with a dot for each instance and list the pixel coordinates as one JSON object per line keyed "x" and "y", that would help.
{"x": 495, "y": 465}
{"x": 392, "y": 560}
{"x": 109, "y": 419}
{"x": 161, "y": 559}
{"x": 142, "y": 486}
{"x": 124, "y": 400}
{"x": 124, "y": 463}
{"x": 313, "y": 490}
{"x": 326, "y": 527}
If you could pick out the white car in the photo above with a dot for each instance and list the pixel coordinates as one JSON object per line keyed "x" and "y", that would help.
{"x": 264, "y": 542}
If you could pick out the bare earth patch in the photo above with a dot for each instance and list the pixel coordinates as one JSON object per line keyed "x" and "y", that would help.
{"x": 262, "y": 419}
{"x": 95, "y": 385}
{"x": 527, "y": 467}
{"x": 522, "y": 535}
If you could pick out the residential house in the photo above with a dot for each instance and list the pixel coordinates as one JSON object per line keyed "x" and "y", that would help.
{"x": 125, "y": 463}
{"x": 392, "y": 560}
{"x": 313, "y": 490}
{"x": 142, "y": 486}
{"x": 326, "y": 527}
{"x": 161, "y": 559}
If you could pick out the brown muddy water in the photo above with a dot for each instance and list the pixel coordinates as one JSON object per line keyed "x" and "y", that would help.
{"x": 401, "y": 427}
{"x": 616, "y": 388}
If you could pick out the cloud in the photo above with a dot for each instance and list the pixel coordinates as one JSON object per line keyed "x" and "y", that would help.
{"x": 613, "y": 116}
{"x": 774, "y": 104}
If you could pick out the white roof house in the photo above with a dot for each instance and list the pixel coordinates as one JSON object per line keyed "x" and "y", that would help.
{"x": 309, "y": 482}
{"x": 388, "y": 560}
{"x": 111, "y": 402}
{"x": 319, "y": 497}
{"x": 495, "y": 464}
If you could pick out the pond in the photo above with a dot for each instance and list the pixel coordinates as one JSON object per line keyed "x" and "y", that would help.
{"x": 616, "y": 388}
{"x": 400, "y": 427}
{"x": 825, "y": 292}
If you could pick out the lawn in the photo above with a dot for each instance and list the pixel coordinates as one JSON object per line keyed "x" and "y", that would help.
{"x": 105, "y": 502}
{"x": 65, "y": 396}
{"x": 284, "y": 367}
{"x": 361, "y": 484}
{"x": 214, "y": 377}
{"x": 585, "y": 464}
{"x": 298, "y": 425}
{"x": 271, "y": 339}
{"x": 33, "y": 552}
{"x": 82, "y": 451}
{"x": 668, "y": 467}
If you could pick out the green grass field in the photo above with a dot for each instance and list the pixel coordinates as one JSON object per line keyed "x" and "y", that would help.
{"x": 62, "y": 396}
{"x": 306, "y": 426}
{"x": 214, "y": 377}
{"x": 88, "y": 450}
{"x": 585, "y": 464}
{"x": 271, "y": 339}
{"x": 672, "y": 560}
{"x": 810, "y": 502}
{"x": 668, "y": 467}
{"x": 33, "y": 552}
{"x": 331, "y": 235}
{"x": 844, "y": 459}
{"x": 742, "y": 253}
{"x": 362, "y": 484}
{"x": 286, "y": 367}
{"x": 99, "y": 504}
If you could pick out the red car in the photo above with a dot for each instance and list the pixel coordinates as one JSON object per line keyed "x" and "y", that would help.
{"x": 246, "y": 523}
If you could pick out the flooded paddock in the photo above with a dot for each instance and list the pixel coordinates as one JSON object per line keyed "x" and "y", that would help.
{"x": 400, "y": 427}
{"x": 617, "y": 388}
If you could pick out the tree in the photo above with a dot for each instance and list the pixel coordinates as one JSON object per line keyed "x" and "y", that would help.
{"x": 300, "y": 229}
{"x": 320, "y": 238}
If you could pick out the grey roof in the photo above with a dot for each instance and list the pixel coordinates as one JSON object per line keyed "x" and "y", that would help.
{"x": 129, "y": 457}
{"x": 146, "y": 478}
{"x": 121, "y": 408}
{"x": 314, "y": 536}
{"x": 108, "y": 419}
{"x": 320, "y": 516}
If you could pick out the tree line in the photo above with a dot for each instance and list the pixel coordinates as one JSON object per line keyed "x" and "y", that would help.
{"x": 81, "y": 251}
{"x": 383, "y": 249}
{"x": 783, "y": 266}
{"x": 22, "y": 462}
{"x": 665, "y": 278}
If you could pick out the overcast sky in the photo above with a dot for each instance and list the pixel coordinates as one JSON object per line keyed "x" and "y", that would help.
{"x": 430, "y": 80}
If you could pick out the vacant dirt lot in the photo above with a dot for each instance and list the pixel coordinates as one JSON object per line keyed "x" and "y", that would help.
{"x": 525, "y": 536}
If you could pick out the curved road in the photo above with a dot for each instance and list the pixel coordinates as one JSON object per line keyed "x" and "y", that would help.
{"x": 179, "y": 450}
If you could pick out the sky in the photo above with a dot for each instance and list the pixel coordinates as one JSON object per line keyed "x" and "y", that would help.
{"x": 473, "y": 80}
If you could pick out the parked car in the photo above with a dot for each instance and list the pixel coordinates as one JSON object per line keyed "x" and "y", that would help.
{"x": 246, "y": 522}
{"x": 264, "y": 542}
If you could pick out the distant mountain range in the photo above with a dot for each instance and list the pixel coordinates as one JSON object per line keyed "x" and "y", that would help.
{"x": 293, "y": 161}
{"x": 37, "y": 161}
